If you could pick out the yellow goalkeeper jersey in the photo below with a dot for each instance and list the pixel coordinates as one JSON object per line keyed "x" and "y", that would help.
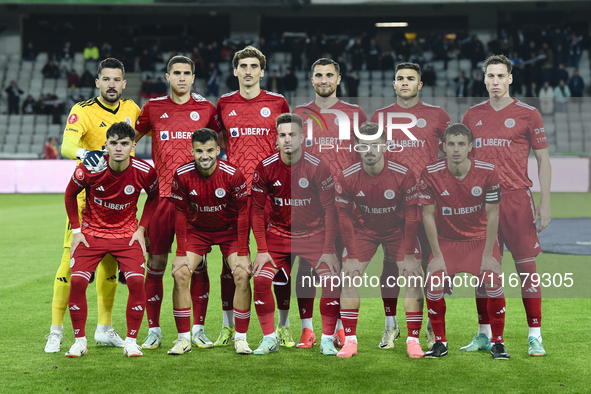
{"x": 89, "y": 121}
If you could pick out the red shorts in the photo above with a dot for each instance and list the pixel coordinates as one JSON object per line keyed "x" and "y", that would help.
{"x": 160, "y": 230}
{"x": 284, "y": 250}
{"x": 517, "y": 229}
{"x": 130, "y": 258}
{"x": 464, "y": 256}
{"x": 200, "y": 242}
{"x": 367, "y": 244}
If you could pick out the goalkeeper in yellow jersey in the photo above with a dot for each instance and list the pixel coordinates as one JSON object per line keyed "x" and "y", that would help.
{"x": 84, "y": 137}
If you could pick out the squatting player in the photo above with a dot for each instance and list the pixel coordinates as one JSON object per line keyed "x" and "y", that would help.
{"x": 302, "y": 222}
{"x": 211, "y": 209}
{"x": 338, "y": 154}
{"x": 83, "y": 137}
{"x": 377, "y": 203}
{"x": 465, "y": 194}
{"x": 109, "y": 225}
{"x": 505, "y": 130}
{"x": 248, "y": 117}
{"x": 431, "y": 122}
{"x": 172, "y": 120}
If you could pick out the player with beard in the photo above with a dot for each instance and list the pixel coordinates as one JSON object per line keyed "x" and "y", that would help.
{"x": 83, "y": 139}
{"x": 324, "y": 143}
{"x": 431, "y": 122}
{"x": 301, "y": 223}
{"x": 172, "y": 120}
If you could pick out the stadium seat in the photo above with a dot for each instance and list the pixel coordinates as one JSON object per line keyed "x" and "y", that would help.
{"x": 466, "y": 66}
{"x": 376, "y": 75}
{"x": 389, "y": 75}
{"x": 23, "y": 147}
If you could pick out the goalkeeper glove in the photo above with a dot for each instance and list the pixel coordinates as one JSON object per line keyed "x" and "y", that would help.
{"x": 93, "y": 160}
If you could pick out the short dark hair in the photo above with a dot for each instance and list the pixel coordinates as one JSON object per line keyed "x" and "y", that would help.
{"x": 370, "y": 128}
{"x": 204, "y": 135}
{"x": 409, "y": 66}
{"x": 182, "y": 60}
{"x": 110, "y": 62}
{"x": 249, "y": 51}
{"x": 289, "y": 118}
{"x": 324, "y": 61}
{"x": 457, "y": 129}
{"x": 497, "y": 59}
{"x": 121, "y": 130}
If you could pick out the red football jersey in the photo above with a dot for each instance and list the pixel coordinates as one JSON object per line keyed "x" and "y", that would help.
{"x": 324, "y": 129}
{"x": 376, "y": 203}
{"x": 211, "y": 202}
{"x": 302, "y": 197}
{"x": 460, "y": 212}
{"x": 172, "y": 127}
{"x": 111, "y": 199}
{"x": 504, "y": 138}
{"x": 431, "y": 124}
{"x": 250, "y": 125}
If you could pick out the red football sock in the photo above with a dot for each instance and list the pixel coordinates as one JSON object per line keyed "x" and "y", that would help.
{"x": 263, "y": 300}
{"x": 349, "y": 319}
{"x": 305, "y": 290}
{"x": 77, "y": 302}
{"x": 436, "y": 306}
{"x": 154, "y": 294}
{"x": 242, "y": 320}
{"x": 200, "y": 295}
{"x": 414, "y": 322}
{"x": 228, "y": 287}
{"x": 182, "y": 318}
{"x": 530, "y": 294}
{"x": 136, "y": 304}
{"x": 329, "y": 307}
{"x": 496, "y": 311}
{"x": 482, "y": 309}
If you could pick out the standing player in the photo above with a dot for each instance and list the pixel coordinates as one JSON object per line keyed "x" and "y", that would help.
{"x": 301, "y": 222}
{"x": 337, "y": 153}
{"x": 109, "y": 225}
{"x": 211, "y": 209}
{"x": 248, "y": 117}
{"x": 505, "y": 130}
{"x": 83, "y": 139}
{"x": 172, "y": 120}
{"x": 463, "y": 235}
{"x": 377, "y": 203}
{"x": 431, "y": 122}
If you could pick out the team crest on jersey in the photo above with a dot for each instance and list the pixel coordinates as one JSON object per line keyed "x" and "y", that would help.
{"x": 72, "y": 262}
{"x": 234, "y": 132}
{"x": 389, "y": 194}
{"x": 338, "y": 187}
{"x": 422, "y": 184}
{"x": 265, "y": 112}
{"x": 79, "y": 174}
{"x": 128, "y": 120}
{"x": 219, "y": 192}
{"x": 421, "y": 123}
{"x": 194, "y": 116}
{"x": 73, "y": 119}
{"x": 478, "y": 142}
{"x": 510, "y": 122}
{"x": 129, "y": 190}
{"x": 175, "y": 185}
{"x": 255, "y": 177}
{"x": 303, "y": 182}
{"x": 476, "y": 191}
{"x": 164, "y": 135}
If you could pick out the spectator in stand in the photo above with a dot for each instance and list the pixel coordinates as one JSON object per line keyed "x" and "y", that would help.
{"x": 156, "y": 56}
{"x": 352, "y": 84}
{"x": 478, "y": 87}
{"x": 73, "y": 79}
{"x": 575, "y": 50}
{"x": 66, "y": 53}
{"x": 50, "y": 149}
{"x": 387, "y": 61}
{"x": 546, "y": 95}
{"x": 147, "y": 88}
{"x": 417, "y": 58}
{"x": 532, "y": 90}
{"x": 275, "y": 83}
{"x": 518, "y": 80}
{"x": 30, "y": 54}
{"x": 91, "y": 52}
{"x": 373, "y": 55}
{"x": 560, "y": 55}
{"x": 298, "y": 47}
{"x": 199, "y": 61}
{"x": 462, "y": 85}
{"x": 576, "y": 84}
{"x": 557, "y": 38}
{"x": 64, "y": 72}
{"x": 561, "y": 73}
{"x": 429, "y": 77}
{"x": 160, "y": 88}
{"x": 50, "y": 70}
{"x": 494, "y": 45}
{"x": 561, "y": 94}
{"x": 357, "y": 55}
{"x": 106, "y": 50}
{"x": 290, "y": 84}
{"x": 14, "y": 98}
{"x": 29, "y": 105}
{"x": 213, "y": 80}
{"x": 547, "y": 51}
{"x": 86, "y": 80}
{"x": 547, "y": 73}
{"x": 314, "y": 51}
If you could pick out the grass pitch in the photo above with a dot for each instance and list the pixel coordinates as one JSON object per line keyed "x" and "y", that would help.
{"x": 31, "y": 235}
